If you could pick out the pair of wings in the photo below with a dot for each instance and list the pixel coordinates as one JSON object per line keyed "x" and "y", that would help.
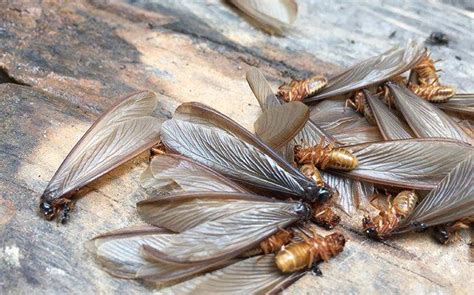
{"x": 123, "y": 132}
{"x": 402, "y": 162}
{"x": 212, "y": 139}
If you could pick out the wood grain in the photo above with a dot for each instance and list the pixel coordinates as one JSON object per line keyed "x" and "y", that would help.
{"x": 65, "y": 63}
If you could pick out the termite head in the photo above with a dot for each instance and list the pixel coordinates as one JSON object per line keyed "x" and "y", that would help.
{"x": 317, "y": 193}
{"x": 370, "y": 230}
{"x": 47, "y": 210}
{"x": 441, "y": 234}
{"x": 418, "y": 226}
{"x": 64, "y": 216}
{"x": 303, "y": 210}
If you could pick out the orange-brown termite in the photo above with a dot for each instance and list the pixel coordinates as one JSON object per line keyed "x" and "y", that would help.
{"x": 359, "y": 103}
{"x": 433, "y": 93}
{"x": 326, "y": 156}
{"x": 426, "y": 71}
{"x": 298, "y": 90}
{"x": 304, "y": 254}
{"x": 387, "y": 221}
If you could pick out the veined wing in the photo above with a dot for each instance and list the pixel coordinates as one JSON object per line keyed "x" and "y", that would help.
{"x": 122, "y": 133}
{"x": 255, "y": 275}
{"x": 451, "y": 200}
{"x": 372, "y": 71}
{"x": 173, "y": 173}
{"x": 462, "y": 103}
{"x": 425, "y": 119}
{"x": 389, "y": 124}
{"x": 410, "y": 163}
{"x": 228, "y": 155}
{"x": 246, "y": 223}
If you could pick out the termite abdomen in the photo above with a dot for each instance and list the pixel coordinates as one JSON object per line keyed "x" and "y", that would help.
{"x": 326, "y": 157}
{"x": 433, "y": 93}
{"x": 302, "y": 255}
{"x": 298, "y": 90}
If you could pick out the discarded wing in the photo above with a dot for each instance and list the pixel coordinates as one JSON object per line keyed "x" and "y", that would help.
{"x": 452, "y": 199}
{"x": 424, "y": 118}
{"x": 174, "y": 173}
{"x": 120, "y": 254}
{"x": 215, "y": 226}
{"x": 255, "y": 275}
{"x": 460, "y": 103}
{"x": 411, "y": 163}
{"x": 274, "y": 17}
{"x": 244, "y": 158}
{"x": 389, "y": 124}
{"x": 117, "y": 136}
{"x": 372, "y": 71}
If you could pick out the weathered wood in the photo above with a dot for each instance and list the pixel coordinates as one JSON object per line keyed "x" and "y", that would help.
{"x": 76, "y": 59}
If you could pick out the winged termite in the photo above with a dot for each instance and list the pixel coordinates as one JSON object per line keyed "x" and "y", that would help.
{"x": 372, "y": 71}
{"x": 447, "y": 233}
{"x": 120, "y": 134}
{"x": 425, "y": 119}
{"x": 298, "y": 90}
{"x": 425, "y": 72}
{"x": 274, "y": 17}
{"x": 390, "y": 126}
{"x": 451, "y": 200}
{"x": 388, "y": 220}
{"x": 239, "y": 160}
{"x": 216, "y": 225}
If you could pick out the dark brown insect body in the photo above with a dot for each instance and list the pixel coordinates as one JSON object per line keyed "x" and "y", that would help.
{"x": 298, "y": 90}
{"x": 433, "y": 93}
{"x": 323, "y": 215}
{"x": 383, "y": 224}
{"x": 359, "y": 103}
{"x": 300, "y": 255}
{"x": 446, "y": 233}
{"x": 326, "y": 156}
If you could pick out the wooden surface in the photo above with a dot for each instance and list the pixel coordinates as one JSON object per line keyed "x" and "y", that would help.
{"x": 66, "y": 63}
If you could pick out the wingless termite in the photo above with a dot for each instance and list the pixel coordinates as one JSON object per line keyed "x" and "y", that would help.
{"x": 298, "y": 90}
{"x": 388, "y": 220}
{"x": 447, "y": 233}
{"x": 120, "y": 134}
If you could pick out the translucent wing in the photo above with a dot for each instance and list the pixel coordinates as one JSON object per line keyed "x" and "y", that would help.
{"x": 228, "y": 230}
{"x": 425, "y": 119}
{"x": 344, "y": 124}
{"x": 204, "y": 115}
{"x": 228, "y": 155}
{"x": 274, "y": 17}
{"x": 460, "y": 103}
{"x": 119, "y": 251}
{"x": 389, "y": 124}
{"x": 120, "y": 254}
{"x": 410, "y": 163}
{"x": 171, "y": 172}
{"x": 372, "y": 71}
{"x": 179, "y": 212}
{"x": 122, "y": 133}
{"x": 255, "y": 275}
{"x": 280, "y": 124}
{"x": 451, "y": 200}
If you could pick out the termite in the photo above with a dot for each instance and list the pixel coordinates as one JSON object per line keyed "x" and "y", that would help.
{"x": 305, "y": 254}
{"x": 446, "y": 233}
{"x": 359, "y": 103}
{"x": 388, "y": 220}
{"x": 298, "y": 90}
{"x": 433, "y": 92}
{"x": 326, "y": 156}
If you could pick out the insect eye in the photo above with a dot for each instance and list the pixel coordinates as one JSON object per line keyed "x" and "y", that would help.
{"x": 47, "y": 209}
